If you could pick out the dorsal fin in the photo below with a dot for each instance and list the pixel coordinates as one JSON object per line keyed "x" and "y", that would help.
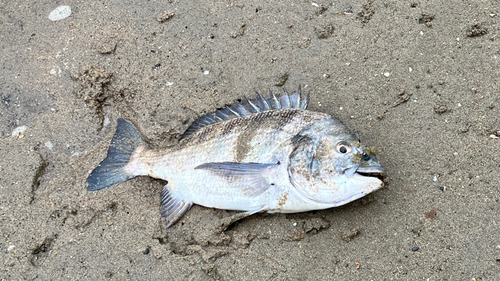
{"x": 247, "y": 107}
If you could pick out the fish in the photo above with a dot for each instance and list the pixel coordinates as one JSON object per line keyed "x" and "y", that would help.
{"x": 266, "y": 154}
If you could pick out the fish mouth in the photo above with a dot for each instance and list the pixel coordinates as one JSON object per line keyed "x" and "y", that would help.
{"x": 372, "y": 171}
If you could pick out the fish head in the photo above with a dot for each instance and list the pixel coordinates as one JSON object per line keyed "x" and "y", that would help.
{"x": 331, "y": 167}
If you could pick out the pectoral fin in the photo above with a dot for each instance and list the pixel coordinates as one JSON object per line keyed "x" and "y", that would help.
{"x": 250, "y": 177}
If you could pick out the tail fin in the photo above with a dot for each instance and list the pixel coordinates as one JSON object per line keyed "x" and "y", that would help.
{"x": 111, "y": 171}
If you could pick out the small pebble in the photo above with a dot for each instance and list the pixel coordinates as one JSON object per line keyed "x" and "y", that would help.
{"x": 165, "y": 15}
{"x": 54, "y": 71}
{"x": 19, "y": 131}
{"x": 49, "y": 145}
{"x": 60, "y": 13}
{"x": 294, "y": 224}
{"x": 414, "y": 249}
{"x": 387, "y": 74}
{"x": 106, "y": 121}
{"x": 206, "y": 72}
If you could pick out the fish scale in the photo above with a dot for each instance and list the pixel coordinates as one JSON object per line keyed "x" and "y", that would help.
{"x": 263, "y": 154}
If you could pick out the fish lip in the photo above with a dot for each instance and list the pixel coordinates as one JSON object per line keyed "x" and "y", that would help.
{"x": 372, "y": 171}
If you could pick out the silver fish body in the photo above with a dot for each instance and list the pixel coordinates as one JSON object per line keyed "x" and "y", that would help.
{"x": 266, "y": 154}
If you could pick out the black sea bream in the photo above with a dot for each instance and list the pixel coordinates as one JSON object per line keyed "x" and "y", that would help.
{"x": 265, "y": 154}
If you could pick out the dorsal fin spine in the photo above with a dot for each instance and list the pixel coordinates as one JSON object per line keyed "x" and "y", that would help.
{"x": 217, "y": 118}
{"x": 234, "y": 112}
{"x": 261, "y": 102}
{"x": 240, "y": 109}
{"x": 269, "y": 107}
{"x": 248, "y": 107}
{"x": 254, "y": 106}
{"x": 285, "y": 101}
{"x": 276, "y": 101}
{"x": 220, "y": 114}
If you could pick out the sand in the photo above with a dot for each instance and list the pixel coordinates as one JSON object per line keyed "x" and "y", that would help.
{"x": 419, "y": 81}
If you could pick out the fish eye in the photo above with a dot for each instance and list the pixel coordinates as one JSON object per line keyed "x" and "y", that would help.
{"x": 366, "y": 157}
{"x": 343, "y": 148}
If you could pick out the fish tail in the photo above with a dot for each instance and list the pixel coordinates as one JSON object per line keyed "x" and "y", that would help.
{"x": 112, "y": 171}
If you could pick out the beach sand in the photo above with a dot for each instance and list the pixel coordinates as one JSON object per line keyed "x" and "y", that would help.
{"x": 417, "y": 80}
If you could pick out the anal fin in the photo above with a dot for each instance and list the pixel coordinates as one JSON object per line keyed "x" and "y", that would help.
{"x": 171, "y": 208}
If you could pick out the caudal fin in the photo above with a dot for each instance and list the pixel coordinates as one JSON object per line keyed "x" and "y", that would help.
{"x": 111, "y": 171}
